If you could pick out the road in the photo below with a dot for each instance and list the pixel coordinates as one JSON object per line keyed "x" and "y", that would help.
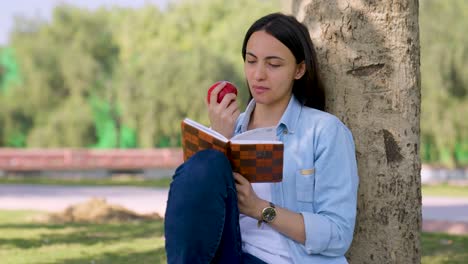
{"x": 57, "y": 198}
{"x": 445, "y": 209}
{"x": 442, "y": 210}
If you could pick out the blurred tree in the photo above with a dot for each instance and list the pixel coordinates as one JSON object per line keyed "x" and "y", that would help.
{"x": 166, "y": 69}
{"x": 444, "y": 68}
{"x": 64, "y": 62}
{"x": 110, "y": 131}
{"x": 9, "y": 70}
{"x": 102, "y": 78}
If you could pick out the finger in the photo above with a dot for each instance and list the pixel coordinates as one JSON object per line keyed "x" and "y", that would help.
{"x": 236, "y": 113}
{"x": 233, "y": 107}
{"x": 241, "y": 179}
{"x": 215, "y": 92}
{"x": 233, "y": 103}
{"x": 235, "y": 116}
{"x": 227, "y": 99}
{"x": 238, "y": 178}
{"x": 240, "y": 189}
{"x": 234, "y": 174}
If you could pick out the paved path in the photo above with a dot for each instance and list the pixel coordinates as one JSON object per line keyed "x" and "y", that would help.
{"x": 444, "y": 208}
{"x": 446, "y": 215}
{"x": 57, "y": 198}
{"x": 439, "y": 213}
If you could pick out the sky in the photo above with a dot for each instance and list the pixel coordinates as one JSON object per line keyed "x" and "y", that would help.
{"x": 43, "y": 9}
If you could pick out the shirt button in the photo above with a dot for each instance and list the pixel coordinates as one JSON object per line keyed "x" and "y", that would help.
{"x": 285, "y": 131}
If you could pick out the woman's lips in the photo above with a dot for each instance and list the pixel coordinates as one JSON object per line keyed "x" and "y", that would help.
{"x": 259, "y": 89}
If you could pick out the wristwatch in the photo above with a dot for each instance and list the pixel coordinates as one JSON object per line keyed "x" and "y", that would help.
{"x": 268, "y": 214}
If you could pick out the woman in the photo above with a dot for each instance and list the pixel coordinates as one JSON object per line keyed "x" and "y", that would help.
{"x": 309, "y": 216}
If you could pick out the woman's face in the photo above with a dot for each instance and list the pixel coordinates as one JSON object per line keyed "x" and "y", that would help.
{"x": 270, "y": 69}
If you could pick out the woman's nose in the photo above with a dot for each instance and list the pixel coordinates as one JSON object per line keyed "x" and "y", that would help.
{"x": 260, "y": 73}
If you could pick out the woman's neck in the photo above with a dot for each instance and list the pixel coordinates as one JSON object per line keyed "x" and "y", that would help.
{"x": 267, "y": 115}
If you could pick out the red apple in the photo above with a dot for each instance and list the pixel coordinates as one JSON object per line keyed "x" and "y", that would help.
{"x": 228, "y": 88}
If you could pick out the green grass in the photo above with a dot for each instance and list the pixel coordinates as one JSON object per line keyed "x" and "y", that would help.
{"x": 110, "y": 181}
{"x": 25, "y": 241}
{"x": 445, "y": 190}
{"x": 444, "y": 249}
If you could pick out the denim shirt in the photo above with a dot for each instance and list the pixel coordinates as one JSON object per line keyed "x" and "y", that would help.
{"x": 320, "y": 180}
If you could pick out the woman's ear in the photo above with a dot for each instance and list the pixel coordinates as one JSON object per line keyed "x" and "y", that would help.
{"x": 300, "y": 70}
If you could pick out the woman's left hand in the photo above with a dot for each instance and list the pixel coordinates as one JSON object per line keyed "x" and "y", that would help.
{"x": 286, "y": 222}
{"x": 247, "y": 199}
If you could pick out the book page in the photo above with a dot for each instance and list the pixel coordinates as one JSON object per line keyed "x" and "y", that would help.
{"x": 254, "y": 141}
{"x": 206, "y": 129}
{"x": 264, "y": 134}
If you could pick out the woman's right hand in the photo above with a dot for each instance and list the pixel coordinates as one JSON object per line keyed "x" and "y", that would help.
{"x": 223, "y": 115}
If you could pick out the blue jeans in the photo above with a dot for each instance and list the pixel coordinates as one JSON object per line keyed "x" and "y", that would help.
{"x": 202, "y": 218}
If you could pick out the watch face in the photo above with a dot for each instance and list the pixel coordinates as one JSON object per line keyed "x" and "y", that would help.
{"x": 269, "y": 214}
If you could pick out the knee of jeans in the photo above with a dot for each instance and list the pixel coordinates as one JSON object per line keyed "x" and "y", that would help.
{"x": 210, "y": 166}
{"x": 210, "y": 159}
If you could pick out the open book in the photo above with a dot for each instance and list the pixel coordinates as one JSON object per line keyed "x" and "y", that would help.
{"x": 256, "y": 154}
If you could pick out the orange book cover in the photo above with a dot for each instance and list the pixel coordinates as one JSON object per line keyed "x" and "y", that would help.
{"x": 256, "y": 159}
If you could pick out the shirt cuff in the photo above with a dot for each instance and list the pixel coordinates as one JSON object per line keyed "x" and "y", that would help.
{"x": 317, "y": 231}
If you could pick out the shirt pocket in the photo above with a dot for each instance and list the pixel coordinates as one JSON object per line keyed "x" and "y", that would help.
{"x": 305, "y": 184}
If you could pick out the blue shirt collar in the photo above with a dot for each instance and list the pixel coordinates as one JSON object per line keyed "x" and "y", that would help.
{"x": 288, "y": 121}
{"x": 291, "y": 115}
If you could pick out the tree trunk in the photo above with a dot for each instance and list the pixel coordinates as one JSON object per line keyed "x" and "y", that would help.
{"x": 368, "y": 54}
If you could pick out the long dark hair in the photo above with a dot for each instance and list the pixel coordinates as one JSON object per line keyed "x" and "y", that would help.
{"x": 294, "y": 35}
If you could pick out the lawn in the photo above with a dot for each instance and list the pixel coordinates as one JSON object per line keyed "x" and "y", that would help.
{"x": 25, "y": 241}
{"x": 445, "y": 190}
{"x": 444, "y": 249}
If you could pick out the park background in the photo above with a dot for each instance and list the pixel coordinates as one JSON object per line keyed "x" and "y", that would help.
{"x": 119, "y": 77}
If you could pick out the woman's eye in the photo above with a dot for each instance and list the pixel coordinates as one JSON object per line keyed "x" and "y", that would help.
{"x": 275, "y": 65}
{"x": 250, "y": 61}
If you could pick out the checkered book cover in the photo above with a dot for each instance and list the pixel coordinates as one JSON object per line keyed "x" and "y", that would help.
{"x": 260, "y": 162}
{"x": 194, "y": 140}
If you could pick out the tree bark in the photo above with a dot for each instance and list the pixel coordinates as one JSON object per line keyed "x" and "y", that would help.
{"x": 368, "y": 54}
